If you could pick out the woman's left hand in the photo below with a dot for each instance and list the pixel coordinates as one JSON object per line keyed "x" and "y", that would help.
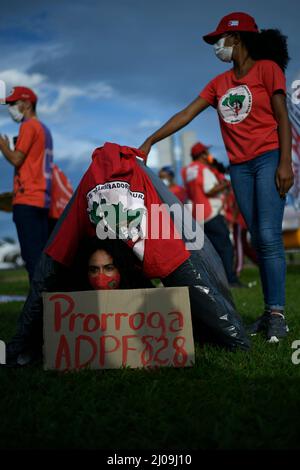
{"x": 284, "y": 178}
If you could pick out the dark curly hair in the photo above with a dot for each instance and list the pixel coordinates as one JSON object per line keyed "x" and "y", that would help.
{"x": 129, "y": 266}
{"x": 269, "y": 44}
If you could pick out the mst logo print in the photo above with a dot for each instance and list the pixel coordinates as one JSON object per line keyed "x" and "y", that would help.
{"x": 119, "y": 212}
{"x": 235, "y": 105}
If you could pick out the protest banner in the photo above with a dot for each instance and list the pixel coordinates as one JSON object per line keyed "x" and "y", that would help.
{"x": 109, "y": 329}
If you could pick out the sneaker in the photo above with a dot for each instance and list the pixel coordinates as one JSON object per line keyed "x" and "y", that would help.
{"x": 25, "y": 358}
{"x": 277, "y": 328}
{"x": 260, "y": 324}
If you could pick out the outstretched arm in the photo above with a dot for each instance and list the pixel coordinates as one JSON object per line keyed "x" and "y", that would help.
{"x": 178, "y": 121}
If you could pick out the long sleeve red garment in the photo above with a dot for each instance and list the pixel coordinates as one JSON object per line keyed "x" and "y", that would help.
{"x": 115, "y": 178}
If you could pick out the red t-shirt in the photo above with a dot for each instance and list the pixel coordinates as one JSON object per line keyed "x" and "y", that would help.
{"x": 179, "y": 192}
{"x": 32, "y": 180}
{"x": 198, "y": 180}
{"x": 248, "y": 124}
{"x": 61, "y": 193}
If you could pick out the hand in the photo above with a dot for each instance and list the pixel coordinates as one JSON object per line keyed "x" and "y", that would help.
{"x": 146, "y": 147}
{"x": 4, "y": 142}
{"x": 284, "y": 178}
{"x": 227, "y": 185}
{"x": 223, "y": 186}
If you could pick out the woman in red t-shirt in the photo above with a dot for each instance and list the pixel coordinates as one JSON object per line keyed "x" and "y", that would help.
{"x": 251, "y": 104}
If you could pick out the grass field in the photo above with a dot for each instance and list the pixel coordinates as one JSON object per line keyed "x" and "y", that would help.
{"x": 227, "y": 401}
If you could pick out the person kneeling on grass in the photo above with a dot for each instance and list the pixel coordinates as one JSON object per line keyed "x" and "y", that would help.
{"x": 100, "y": 265}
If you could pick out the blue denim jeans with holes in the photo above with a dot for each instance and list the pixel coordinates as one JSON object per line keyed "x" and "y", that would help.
{"x": 255, "y": 189}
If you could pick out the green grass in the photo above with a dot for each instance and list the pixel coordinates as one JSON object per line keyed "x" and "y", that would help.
{"x": 227, "y": 401}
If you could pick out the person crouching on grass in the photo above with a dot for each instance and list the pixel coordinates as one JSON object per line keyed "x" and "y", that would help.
{"x": 251, "y": 104}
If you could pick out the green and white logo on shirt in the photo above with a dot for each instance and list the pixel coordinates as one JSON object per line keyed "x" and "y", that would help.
{"x": 235, "y": 105}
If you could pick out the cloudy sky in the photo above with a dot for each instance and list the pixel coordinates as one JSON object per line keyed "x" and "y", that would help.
{"x": 114, "y": 70}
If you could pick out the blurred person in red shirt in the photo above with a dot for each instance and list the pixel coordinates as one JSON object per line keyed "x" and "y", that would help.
{"x": 167, "y": 175}
{"x": 61, "y": 193}
{"x": 203, "y": 187}
{"x": 32, "y": 160}
{"x": 242, "y": 246}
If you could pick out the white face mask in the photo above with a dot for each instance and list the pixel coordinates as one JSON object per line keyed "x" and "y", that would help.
{"x": 15, "y": 113}
{"x": 166, "y": 181}
{"x": 223, "y": 53}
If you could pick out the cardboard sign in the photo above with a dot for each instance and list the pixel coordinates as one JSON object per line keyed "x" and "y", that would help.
{"x": 109, "y": 329}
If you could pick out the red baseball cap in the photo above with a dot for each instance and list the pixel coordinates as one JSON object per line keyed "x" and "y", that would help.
{"x": 236, "y": 21}
{"x": 198, "y": 148}
{"x": 21, "y": 93}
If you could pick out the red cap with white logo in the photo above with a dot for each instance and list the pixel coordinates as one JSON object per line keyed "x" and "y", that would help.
{"x": 198, "y": 148}
{"x": 236, "y": 21}
{"x": 21, "y": 93}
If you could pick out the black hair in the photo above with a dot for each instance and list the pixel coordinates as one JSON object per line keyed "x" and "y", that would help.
{"x": 203, "y": 154}
{"x": 129, "y": 266}
{"x": 168, "y": 169}
{"x": 219, "y": 166}
{"x": 268, "y": 44}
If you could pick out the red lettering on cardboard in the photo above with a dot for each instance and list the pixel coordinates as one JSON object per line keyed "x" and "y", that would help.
{"x": 63, "y": 353}
{"x": 126, "y": 348}
{"x": 132, "y": 318}
{"x": 165, "y": 342}
{"x": 78, "y": 343}
{"x": 58, "y": 314}
{"x": 91, "y": 323}
{"x": 159, "y": 319}
{"x": 104, "y": 317}
{"x": 177, "y": 321}
{"x": 148, "y": 350}
{"x": 104, "y": 351}
{"x": 118, "y": 317}
{"x": 73, "y": 318}
{"x": 180, "y": 357}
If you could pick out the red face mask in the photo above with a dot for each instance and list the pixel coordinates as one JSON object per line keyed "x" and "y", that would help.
{"x": 102, "y": 281}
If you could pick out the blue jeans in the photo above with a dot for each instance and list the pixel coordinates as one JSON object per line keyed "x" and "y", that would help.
{"x": 32, "y": 228}
{"x": 255, "y": 189}
{"x": 217, "y": 232}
